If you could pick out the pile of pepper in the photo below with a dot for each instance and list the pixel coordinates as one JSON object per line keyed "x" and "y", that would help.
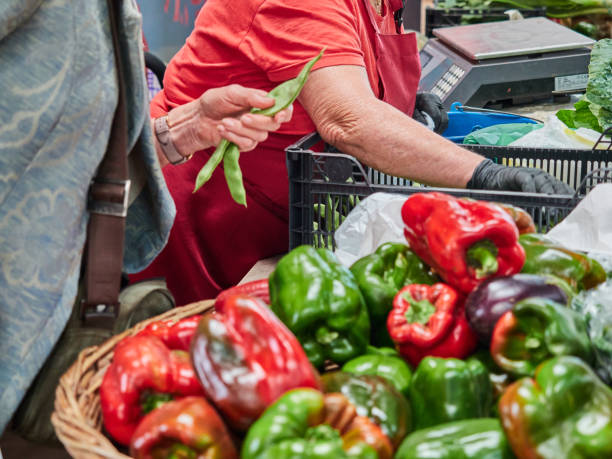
{"x": 486, "y": 353}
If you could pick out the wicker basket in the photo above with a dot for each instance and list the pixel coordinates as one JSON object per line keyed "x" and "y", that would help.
{"x": 77, "y": 417}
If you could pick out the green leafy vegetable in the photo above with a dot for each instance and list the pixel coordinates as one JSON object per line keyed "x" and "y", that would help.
{"x": 594, "y": 110}
{"x": 554, "y": 8}
{"x": 581, "y": 116}
{"x": 564, "y": 8}
{"x": 586, "y": 28}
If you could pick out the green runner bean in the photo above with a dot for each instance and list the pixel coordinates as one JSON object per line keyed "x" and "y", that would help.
{"x": 284, "y": 95}
{"x": 206, "y": 172}
{"x": 233, "y": 174}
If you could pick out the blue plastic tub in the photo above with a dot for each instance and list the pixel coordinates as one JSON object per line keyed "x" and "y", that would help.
{"x": 463, "y": 120}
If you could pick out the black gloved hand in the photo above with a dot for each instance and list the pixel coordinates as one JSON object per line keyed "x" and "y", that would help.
{"x": 430, "y": 104}
{"x": 491, "y": 176}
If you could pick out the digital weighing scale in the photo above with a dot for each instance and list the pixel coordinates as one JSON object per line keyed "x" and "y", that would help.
{"x": 504, "y": 62}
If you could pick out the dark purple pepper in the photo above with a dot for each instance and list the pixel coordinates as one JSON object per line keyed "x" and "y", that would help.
{"x": 487, "y": 302}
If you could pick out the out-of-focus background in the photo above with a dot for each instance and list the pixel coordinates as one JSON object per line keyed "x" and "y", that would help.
{"x": 167, "y": 23}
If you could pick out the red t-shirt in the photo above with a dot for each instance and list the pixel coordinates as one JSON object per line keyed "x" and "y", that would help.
{"x": 258, "y": 44}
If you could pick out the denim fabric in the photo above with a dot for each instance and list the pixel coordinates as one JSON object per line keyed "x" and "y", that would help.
{"x": 58, "y": 92}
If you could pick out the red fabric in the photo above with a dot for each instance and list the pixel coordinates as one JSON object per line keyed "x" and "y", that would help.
{"x": 256, "y": 43}
{"x": 398, "y": 63}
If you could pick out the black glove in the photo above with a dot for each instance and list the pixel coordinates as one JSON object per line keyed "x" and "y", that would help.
{"x": 491, "y": 176}
{"x": 430, "y": 104}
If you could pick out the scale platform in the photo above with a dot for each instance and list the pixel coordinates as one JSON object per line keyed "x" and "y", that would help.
{"x": 501, "y": 63}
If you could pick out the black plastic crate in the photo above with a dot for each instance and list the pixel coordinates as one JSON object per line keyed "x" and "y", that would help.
{"x": 436, "y": 17}
{"x": 324, "y": 186}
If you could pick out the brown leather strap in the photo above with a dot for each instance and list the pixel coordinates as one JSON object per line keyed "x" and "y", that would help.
{"x": 107, "y": 204}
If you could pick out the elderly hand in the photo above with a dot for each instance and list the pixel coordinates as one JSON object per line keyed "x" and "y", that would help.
{"x": 231, "y": 105}
{"x": 223, "y": 113}
{"x": 491, "y": 176}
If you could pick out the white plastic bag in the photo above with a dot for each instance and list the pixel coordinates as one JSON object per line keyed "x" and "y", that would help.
{"x": 555, "y": 134}
{"x": 588, "y": 227}
{"x": 374, "y": 221}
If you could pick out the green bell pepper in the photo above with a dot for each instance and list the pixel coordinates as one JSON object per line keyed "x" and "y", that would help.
{"x": 498, "y": 378}
{"x": 467, "y": 439}
{"x": 293, "y": 427}
{"x": 535, "y": 330}
{"x": 320, "y": 442}
{"x": 384, "y": 362}
{"x": 373, "y": 397}
{"x": 564, "y": 412}
{"x": 544, "y": 256}
{"x": 319, "y": 301}
{"x": 595, "y": 306}
{"x": 445, "y": 390}
{"x": 381, "y": 275}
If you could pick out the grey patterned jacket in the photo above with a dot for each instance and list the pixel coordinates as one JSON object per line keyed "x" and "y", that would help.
{"x": 58, "y": 92}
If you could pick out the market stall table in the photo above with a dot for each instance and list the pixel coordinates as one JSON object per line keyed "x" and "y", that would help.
{"x": 261, "y": 269}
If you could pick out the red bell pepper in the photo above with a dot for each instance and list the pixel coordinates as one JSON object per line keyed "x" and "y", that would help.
{"x": 258, "y": 288}
{"x": 143, "y": 374}
{"x": 429, "y": 320}
{"x": 245, "y": 358}
{"x": 176, "y": 335}
{"x": 464, "y": 241}
{"x": 184, "y": 428}
{"x": 524, "y": 222}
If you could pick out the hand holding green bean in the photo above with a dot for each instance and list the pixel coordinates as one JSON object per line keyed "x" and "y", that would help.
{"x": 284, "y": 95}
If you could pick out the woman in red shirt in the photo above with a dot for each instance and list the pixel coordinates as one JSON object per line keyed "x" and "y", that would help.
{"x": 360, "y": 97}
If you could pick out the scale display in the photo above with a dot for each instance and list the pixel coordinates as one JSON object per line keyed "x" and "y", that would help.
{"x": 504, "y": 62}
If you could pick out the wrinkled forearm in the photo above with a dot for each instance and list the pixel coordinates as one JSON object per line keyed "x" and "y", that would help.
{"x": 384, "y": 138}
{"x": 389, "y": 141}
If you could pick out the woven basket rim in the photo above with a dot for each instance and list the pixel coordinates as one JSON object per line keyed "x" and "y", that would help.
{"x": 77, "y": 417}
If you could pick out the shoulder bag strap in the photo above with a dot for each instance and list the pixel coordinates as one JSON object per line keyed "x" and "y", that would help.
{"x": 107, "y": 205}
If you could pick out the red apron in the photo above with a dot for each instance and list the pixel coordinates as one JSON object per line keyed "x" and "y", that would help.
{"x": 214, "y": 242}
{"x": 397, "y": 62}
